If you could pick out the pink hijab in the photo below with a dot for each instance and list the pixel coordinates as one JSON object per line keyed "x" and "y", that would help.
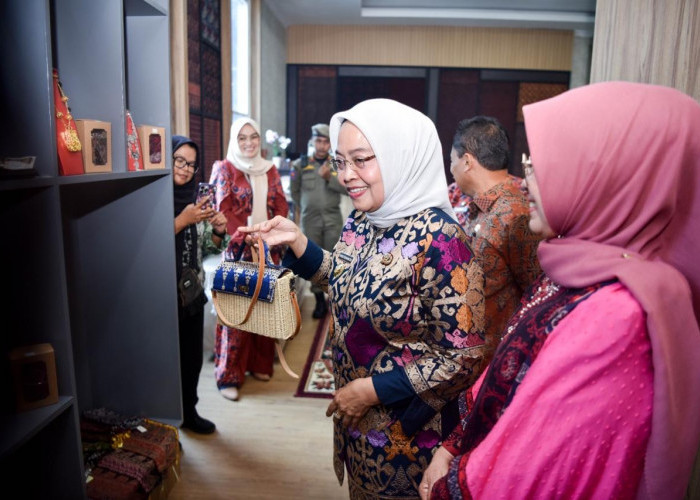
{"x": 618, "y": 167}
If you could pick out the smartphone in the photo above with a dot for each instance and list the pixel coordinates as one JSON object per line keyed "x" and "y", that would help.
{"x": 206, "y": 190}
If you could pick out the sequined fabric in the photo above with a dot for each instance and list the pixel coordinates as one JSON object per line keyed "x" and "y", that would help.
{"x": 407, "y": 298}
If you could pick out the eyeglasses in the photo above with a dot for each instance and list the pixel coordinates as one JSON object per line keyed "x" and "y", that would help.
{"x": 249, "y": 138}
{"x": 527, "y": 165}
{"x": 181, "y": 162}
{"x": 340, "y": 164}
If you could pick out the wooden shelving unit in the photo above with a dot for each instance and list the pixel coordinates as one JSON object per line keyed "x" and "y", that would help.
{"x": 89, "y": 262}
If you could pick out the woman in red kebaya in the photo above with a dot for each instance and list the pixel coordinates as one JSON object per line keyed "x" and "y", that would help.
{"x": 248, "y": 191}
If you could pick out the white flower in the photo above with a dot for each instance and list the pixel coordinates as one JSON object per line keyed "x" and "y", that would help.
{"x": 271, "y": 136}
{"x": 278, "y": 142}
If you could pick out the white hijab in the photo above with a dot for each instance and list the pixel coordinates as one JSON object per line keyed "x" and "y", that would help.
{"x": 409, "y": 156}
{"x": 254, "y": 168}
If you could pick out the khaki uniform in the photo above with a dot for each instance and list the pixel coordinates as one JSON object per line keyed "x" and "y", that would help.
{"x": 318, "y": 201}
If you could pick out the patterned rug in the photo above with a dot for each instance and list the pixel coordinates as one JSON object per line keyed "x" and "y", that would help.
{"x": 317, "y": 379}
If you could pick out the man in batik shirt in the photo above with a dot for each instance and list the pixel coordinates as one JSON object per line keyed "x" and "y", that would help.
{"x": 496, "y": 218}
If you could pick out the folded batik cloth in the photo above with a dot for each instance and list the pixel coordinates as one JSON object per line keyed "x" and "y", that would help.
{"x": 110, "y": 418}
{"x": 159, "y": 442}
{"x": 136, "y": 466}
{"x": 109, "y": 485}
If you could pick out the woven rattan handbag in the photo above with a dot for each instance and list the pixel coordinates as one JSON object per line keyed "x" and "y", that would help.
{"x": 258, "y": 297}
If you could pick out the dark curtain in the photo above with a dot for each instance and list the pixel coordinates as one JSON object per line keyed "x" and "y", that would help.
{"x": 316, "y": 103}
{"x": 408, "y": 91}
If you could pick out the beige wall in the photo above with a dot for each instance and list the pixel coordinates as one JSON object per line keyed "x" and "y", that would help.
{"x": 648, "y": 41}
{"x": 430, "y": 46}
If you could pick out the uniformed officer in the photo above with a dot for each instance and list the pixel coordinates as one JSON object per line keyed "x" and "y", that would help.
{"x": 317, "y": 193}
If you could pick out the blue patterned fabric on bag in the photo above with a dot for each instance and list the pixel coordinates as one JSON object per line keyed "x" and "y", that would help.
{"x": 240, "y": 278}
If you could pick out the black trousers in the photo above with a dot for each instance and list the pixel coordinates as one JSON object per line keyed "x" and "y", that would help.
{"x": 191, "y": 353}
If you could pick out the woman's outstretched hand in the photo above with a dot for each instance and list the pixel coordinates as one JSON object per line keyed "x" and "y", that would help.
{"x": 277, "y": 231}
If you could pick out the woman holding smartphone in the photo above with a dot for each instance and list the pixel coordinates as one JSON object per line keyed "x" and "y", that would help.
{"x": 198, "y": 229}
{"x": 248, "y": 191}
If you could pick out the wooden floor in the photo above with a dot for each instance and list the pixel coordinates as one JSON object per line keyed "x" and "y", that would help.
{"x": 268, "y": 445}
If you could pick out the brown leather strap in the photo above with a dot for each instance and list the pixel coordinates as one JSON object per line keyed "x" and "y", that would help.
{"x": 278, "y": 343}
{"x": 283, "y": 361}
{"x": 258, "y": 282}
{"x": 295, "y": 303}
{"x": 297, "y": 313}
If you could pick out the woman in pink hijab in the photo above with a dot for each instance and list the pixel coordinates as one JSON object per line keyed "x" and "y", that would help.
{"x": 594, "y": 391}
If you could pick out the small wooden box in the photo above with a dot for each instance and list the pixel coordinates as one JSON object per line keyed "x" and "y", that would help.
{"x": 34, "y": 376}
{"x": 96, "y": 139}
{"x": 152, "y": 146}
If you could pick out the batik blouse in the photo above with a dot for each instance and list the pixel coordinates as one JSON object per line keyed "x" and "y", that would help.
{"x": 234, "y": 198}
{"x": 407, "y": 304}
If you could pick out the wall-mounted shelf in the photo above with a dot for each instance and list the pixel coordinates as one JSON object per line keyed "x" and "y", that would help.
{"x": 89, "y": 259}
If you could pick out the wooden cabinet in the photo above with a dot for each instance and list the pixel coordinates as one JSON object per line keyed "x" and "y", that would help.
{"x": 88, "y": 260}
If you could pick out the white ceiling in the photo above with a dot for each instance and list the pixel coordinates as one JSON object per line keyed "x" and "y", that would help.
{"x": 543, "y": 14}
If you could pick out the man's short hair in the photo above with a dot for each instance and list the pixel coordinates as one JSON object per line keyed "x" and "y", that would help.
{"x": 485, "y": 138}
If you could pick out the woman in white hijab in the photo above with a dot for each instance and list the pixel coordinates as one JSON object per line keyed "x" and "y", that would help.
{"x": 248, "y": 191}
{"x": 406, "y": 298}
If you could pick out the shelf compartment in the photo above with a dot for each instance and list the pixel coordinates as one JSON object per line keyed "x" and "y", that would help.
{"x": 48, "y": 464}
{"x": 121, "y": 275}
{"x": 19, "y": 428}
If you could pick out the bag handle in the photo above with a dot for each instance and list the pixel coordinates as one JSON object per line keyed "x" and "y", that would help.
{"x": 258, "y": 281}
{"x": 283, "y": 360}
{"x": 256, "y": 292}
{"x": 258, "y": 286}
{"x": 254, "y": 300}
{"x": 241, "y": 249}
{"x": 278, "y": 345}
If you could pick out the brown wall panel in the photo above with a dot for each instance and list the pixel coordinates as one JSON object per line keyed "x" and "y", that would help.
{"x": 409, "y": 91}
{"x": 500, "y": 100}
{"x": 444, "y": 46}
{"x": 212, "y": 147}
{"x": 204, "y": 75}
{"x": 316, "y": 103}
{"x": 461, "y": 93}
{"x": 458, "y": 98}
